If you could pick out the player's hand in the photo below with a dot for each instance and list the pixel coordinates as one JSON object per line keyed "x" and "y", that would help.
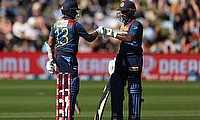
{"x": 110, "y": 33}
{"x": 51, "y": 66}
{"x": 100, "y": 30}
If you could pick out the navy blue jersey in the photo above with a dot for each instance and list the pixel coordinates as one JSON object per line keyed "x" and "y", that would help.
{"x": 67, "y": 32}
{"x": 134, "y": 47}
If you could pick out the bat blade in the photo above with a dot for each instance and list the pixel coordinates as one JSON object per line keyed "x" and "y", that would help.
{"x": 102, "y": 103}
{"x": 77, "y": 107}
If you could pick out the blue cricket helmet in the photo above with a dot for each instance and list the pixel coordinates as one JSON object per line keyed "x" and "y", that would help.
{"x": 69, "y": 8}
{"x": 126, "y": 5}
{"x": 69, "y": 5}
{"x": 126, "y": 10}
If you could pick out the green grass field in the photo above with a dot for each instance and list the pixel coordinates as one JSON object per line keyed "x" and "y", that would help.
{"x": 35, "y": 100}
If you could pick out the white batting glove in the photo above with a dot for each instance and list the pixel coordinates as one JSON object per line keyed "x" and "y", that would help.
{"x": 111, "y": 66}
{"x": 51, "y": 66}
{"x": 100, "y": 30}
{"x": 110, "y": 33}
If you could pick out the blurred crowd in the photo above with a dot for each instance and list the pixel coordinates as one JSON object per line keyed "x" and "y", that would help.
{"x": 170, "y": 26}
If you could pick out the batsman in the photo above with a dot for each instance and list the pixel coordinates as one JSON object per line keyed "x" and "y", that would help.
{"x": 128, "y": 64}
{"x": 64, "y": 37}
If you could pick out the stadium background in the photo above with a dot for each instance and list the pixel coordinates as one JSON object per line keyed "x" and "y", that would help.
{"x": 94, "y": 66}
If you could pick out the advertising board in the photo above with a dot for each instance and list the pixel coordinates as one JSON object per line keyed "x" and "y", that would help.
{"x": 157, "y": 67}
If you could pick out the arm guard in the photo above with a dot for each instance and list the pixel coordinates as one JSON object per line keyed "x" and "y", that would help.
{"x": 50, "y": 52}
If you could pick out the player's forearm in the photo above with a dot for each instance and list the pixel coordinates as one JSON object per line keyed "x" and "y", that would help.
{"x": 51, "y": 42}
{"x": 125, "y": 37}
{"x": 91, "y": 37}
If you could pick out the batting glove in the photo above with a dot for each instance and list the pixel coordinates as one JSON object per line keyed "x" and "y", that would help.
{"x": 111, "y": 66}
{"x": 100, "y": 30}
{"x": 110, "y": 33}
{"x": 51, "y": 66}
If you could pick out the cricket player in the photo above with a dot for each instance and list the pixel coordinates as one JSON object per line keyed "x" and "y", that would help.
{"x": 64, "y": 37}
{"x": 128, "y": 64}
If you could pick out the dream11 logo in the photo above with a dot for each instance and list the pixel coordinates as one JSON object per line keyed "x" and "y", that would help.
{"x": 149, "y": 64}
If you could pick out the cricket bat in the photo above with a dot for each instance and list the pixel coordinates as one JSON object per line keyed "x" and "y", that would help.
{"x": 77, "y": 107}
{"x": 102, "y": 103}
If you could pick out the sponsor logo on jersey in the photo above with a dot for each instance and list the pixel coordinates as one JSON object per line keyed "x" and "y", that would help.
{"x": 62, "y": 23}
